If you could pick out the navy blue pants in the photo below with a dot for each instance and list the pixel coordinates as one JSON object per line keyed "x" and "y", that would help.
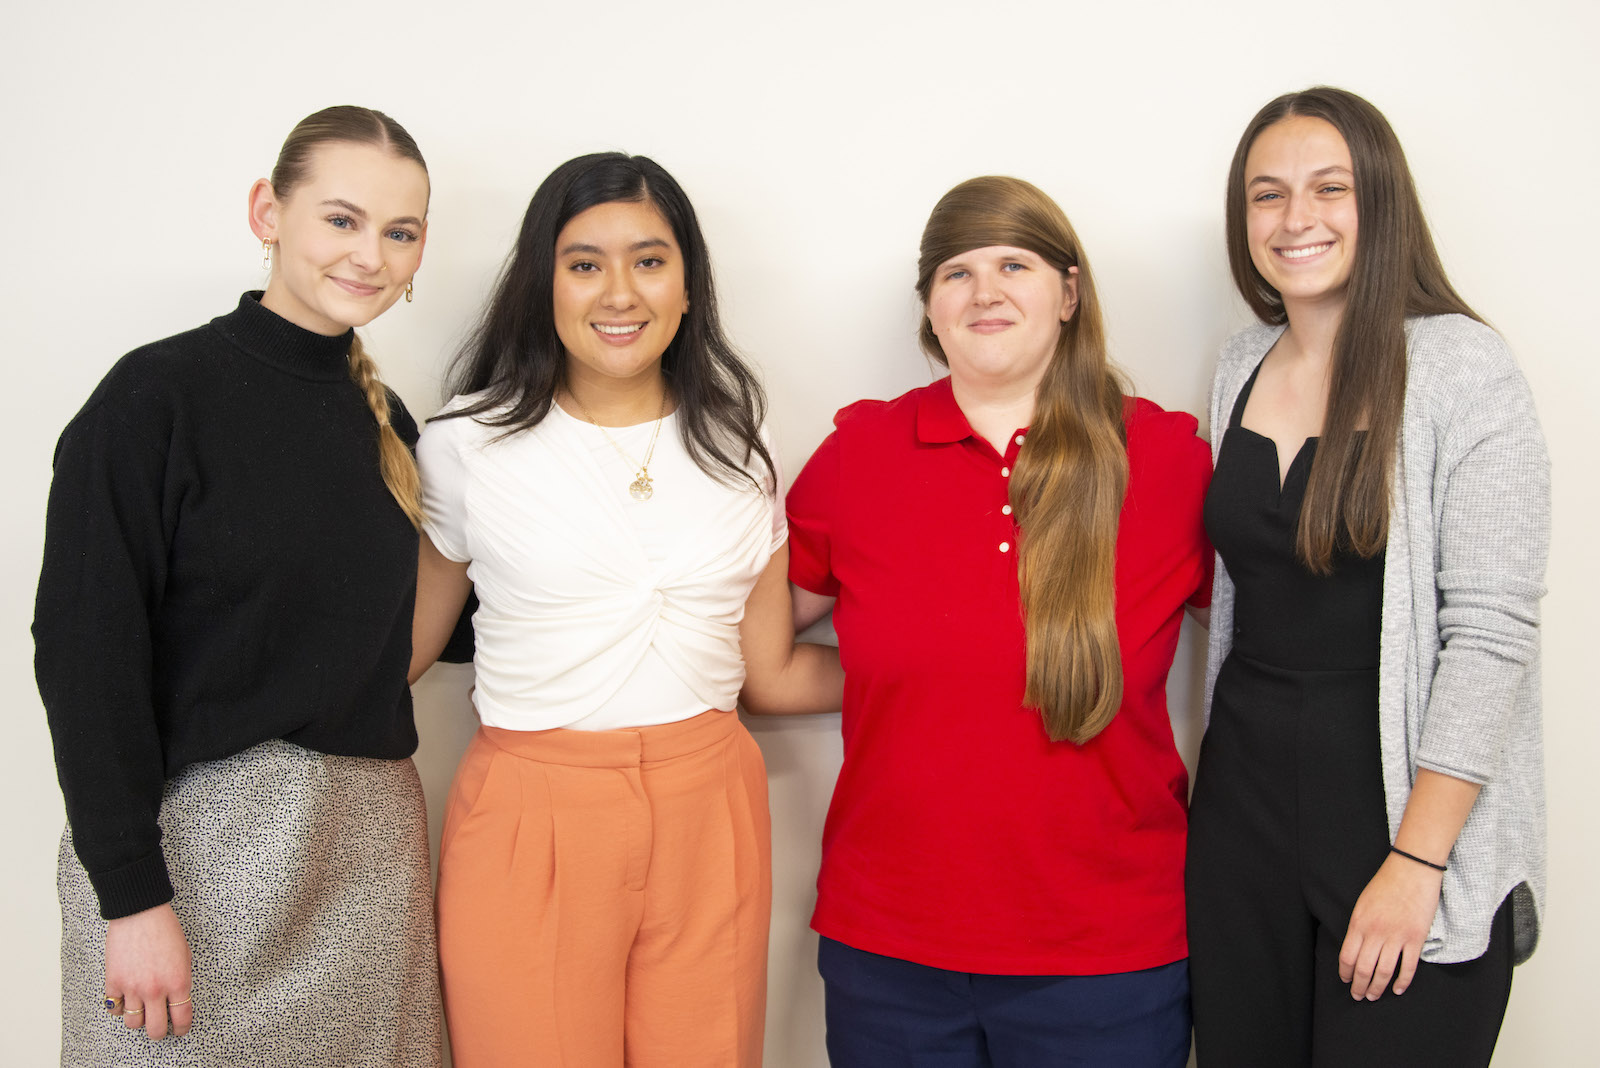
{"x": 888, "y": 1013}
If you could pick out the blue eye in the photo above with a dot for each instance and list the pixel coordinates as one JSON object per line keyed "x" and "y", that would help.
{"x": 1013, "y": 267}
{"x": 955, "y": 276}
{"x": 1267, "y": 196}
{"x": 403, "y": 236}
{"x": 341, "y": 222}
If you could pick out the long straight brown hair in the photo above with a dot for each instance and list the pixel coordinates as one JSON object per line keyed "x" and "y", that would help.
{"x": 362, "y": 126}
{"x": 1396, "y": 273}
{"x": 1071, "y": 475}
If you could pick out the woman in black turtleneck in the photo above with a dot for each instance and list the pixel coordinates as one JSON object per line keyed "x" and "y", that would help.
{"x": 222, "y": 632}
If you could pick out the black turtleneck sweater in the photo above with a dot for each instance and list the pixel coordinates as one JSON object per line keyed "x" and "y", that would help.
{"x": 223, "y": 565}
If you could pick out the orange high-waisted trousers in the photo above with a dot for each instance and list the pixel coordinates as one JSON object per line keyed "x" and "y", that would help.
{"x": 604, "y": 898}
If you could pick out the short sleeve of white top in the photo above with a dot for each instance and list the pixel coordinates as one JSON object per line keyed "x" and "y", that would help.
{"x": 596, "y": 611}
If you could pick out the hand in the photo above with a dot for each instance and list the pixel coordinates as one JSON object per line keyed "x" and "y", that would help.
{"x": 1391, "y": 919}
{"x": 147, "y": 965}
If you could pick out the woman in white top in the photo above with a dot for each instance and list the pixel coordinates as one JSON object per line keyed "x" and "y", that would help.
{"x": 603, "y": 481}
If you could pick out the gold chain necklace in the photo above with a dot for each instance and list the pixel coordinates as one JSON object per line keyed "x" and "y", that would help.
{"x": 642, "y": 487}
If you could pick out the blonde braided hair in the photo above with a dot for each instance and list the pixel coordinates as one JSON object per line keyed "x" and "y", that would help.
{"x": 395, "y": 461}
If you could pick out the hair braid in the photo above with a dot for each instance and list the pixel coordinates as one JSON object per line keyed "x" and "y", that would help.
{"x": 394, "y": 459}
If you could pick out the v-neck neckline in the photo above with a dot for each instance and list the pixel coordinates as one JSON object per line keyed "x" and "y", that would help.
{"x": 1281, "y": 474}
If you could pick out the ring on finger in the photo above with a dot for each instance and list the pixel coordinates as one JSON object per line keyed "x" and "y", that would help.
{"x": 133, "y": 1012}
{"x": 114, "y": 1005}
{"x": 174, "y": 1004}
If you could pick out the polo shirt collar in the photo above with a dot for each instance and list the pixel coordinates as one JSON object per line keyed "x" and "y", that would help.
{"x": 939, "y": 418}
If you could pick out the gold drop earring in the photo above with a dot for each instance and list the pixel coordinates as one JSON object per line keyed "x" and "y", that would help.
{"x": 266, "y": 253}
{"x": 408, "y": 292}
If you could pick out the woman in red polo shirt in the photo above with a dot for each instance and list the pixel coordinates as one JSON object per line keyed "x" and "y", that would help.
{"x": 1007, "y": 553}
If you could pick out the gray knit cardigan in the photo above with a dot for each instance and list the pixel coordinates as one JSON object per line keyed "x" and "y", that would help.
{"x": 1458, "y": 687}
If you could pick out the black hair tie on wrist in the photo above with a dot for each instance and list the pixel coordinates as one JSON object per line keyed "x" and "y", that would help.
{"x": 1419, "y": 860}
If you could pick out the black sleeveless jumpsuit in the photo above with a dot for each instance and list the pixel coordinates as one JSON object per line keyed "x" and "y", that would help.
{"x": 1288, "y": 823}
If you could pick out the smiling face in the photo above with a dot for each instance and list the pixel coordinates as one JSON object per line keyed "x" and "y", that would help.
{"x": 997, "y": 312}
{"x": 346, "y": 239}
{"x": 1300, "y": 211}
{"x": 619, "y": 292}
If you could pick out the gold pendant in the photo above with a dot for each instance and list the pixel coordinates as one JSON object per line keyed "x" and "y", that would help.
{"x": 641, "y": 488}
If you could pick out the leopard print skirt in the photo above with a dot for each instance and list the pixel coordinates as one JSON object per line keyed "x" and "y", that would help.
{"x": 303, "y": 888}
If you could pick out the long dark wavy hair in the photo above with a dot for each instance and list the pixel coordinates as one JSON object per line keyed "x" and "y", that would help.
{"x": 1396, "y": 273}
{"x": 1070, "y": 478}
{"x": 515, "y": 359}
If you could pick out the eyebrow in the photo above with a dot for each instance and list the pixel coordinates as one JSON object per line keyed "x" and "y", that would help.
{"x": 1264, "y": 179}
{"x": 596, "y": 250}
{"x": 961, "y": 260}
{"x": 350, "y": 208}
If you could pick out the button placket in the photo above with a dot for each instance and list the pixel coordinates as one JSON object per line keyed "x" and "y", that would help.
{"x": 1005, "y": 509}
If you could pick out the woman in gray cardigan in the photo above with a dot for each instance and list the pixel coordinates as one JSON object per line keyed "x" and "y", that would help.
{"x": 1367, "y": 845}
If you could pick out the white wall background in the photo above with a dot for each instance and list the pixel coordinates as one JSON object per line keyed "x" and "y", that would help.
{"x": 813, "y": 138}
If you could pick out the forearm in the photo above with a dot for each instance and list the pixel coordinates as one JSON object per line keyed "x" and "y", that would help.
{"x": 809, "y": 681}
{"x": 442, "y": 591}
{"x": 1434, "y": 815}
{"x": 783, "y": 677}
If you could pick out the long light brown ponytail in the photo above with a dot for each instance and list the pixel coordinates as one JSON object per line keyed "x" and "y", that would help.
{"x": 362, "y": 126}
{"x": 1071, "y": 475}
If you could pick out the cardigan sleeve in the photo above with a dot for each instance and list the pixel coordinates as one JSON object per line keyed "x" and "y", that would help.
{"x": 107, "y": 529}
{"x": 1491, "y": 501}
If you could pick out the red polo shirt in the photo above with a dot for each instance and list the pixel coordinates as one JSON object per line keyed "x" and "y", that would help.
{"x": 959, "y": 835}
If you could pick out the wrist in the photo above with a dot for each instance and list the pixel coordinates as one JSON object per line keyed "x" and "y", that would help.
{"x": 133, "y": 888}
{"x": 1414, "y": 858}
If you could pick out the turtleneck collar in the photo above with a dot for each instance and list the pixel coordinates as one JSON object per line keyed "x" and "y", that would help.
{"x": 277, "y": 342}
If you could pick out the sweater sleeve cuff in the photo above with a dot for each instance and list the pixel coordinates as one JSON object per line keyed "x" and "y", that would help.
{"x": 1454, "y": 771}
{"x": 132, "y": 888}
